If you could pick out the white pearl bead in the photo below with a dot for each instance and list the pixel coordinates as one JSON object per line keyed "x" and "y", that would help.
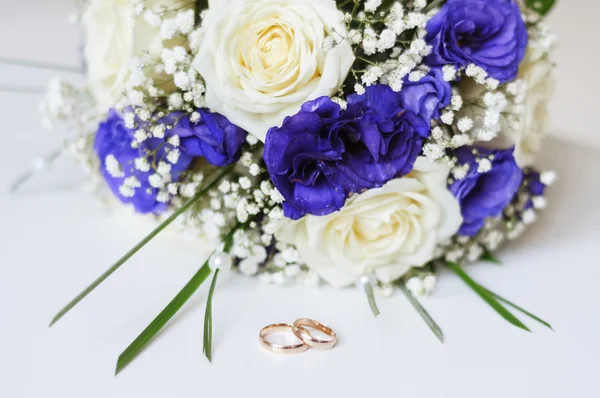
{"x": 220, "y": 260}
{"x": 369, "y": 279}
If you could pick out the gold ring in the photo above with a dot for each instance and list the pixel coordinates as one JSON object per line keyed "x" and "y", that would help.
{"x": 279, "y": 348}
{"x": 299, "y": 329}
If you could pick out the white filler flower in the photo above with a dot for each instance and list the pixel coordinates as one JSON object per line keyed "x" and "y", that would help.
{"x": 262, "y": 59}
{"x": 384, "y": 230}
{"x": 534, "y": 91}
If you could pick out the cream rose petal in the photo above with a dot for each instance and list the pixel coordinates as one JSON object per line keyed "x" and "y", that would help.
{"x": 384, "y": 230}
{"x": 537, "y": 73}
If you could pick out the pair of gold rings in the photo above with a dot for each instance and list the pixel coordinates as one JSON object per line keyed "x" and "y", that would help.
{"x": 298, "y": 328}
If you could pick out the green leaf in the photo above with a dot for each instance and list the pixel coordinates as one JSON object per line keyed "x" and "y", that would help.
{"x": 529, "y": 314}
{"x": 157, "y": 324}
{"x": 137, "y": 247}
{"x": 371, "y": 299}
{"x": 422, "y": 312}
{"x": 171, "y": 309}
{"x": 385, "y": 5}
{"x": 542, "y": 7}
{"x": 344, "y": 5}
{"x": 207, "y": 346}
{"x": 490, "y": 258}
{"x": 433, "y": 4}
{"x": 486, "y": 296}
{"x": 207, "y": 343}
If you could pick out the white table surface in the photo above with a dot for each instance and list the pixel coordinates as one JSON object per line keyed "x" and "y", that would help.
{"x": 55, "y": 239}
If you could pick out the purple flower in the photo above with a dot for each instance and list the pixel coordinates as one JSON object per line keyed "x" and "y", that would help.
{"x": 213, "y": 137}
{"x": 322, "y": 155}
{"x": 427, "y": 96}
{"x": 534, "y": 184}
{"x": 131, "y": 184}
{"x": 487, "y": 33}
{"x": 483, "y": 195}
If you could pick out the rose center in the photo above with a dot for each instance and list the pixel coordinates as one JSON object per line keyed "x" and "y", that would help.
{"x": 273, "y": 45}
{"x": 272, "y": 50}
{"x": 371, "y": 229}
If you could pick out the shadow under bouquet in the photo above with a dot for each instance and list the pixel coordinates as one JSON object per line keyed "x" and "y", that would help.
{"x": 353, "y": 143}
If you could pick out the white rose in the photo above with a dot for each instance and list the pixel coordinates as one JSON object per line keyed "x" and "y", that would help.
{"x": 527, "y": 135}
{"x": 114, "y": 36}
{"x": 384, "y": 230}
{"x": 262, "y": 59}
{"x": 536, "y": 72}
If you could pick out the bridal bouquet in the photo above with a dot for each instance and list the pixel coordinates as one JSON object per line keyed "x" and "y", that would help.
{"x": 354, "y": 143}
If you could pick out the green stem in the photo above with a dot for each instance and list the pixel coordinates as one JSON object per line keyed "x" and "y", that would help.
{"x": 366, "y": 61}
{"x": 355, "y": 8}
{"x": 141, "y": 244}
{"x": 26, "y": 176}
{"x": 371, "y": 298}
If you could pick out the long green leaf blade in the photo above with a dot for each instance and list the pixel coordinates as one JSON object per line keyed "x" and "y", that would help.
{"x": 137, "y": 247}
{"x": 422, "y": 312}
{"x": 160, "y": 321}
{"x": 487, "y": 297}
{"x": 529, "y": 314}
{"x": 207, "y": 345}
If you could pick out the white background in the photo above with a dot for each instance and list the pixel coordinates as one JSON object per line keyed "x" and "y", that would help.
{"x": 54, "y": 240}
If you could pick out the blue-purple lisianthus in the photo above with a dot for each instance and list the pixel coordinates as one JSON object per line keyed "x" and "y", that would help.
{"x": 322, "y": 155}
{"x": 483, "y": 195}
{"x": 488, "y": 33}
{"x": 128, "y": 181}
{"x": 213, "y": 137}
{"x": 133, "y": 171}
{"x": 427, "y": 96}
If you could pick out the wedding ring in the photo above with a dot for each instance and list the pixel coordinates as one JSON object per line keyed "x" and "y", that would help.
{"x": 299, "y": 329}
{"x": 279, "y": 348}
